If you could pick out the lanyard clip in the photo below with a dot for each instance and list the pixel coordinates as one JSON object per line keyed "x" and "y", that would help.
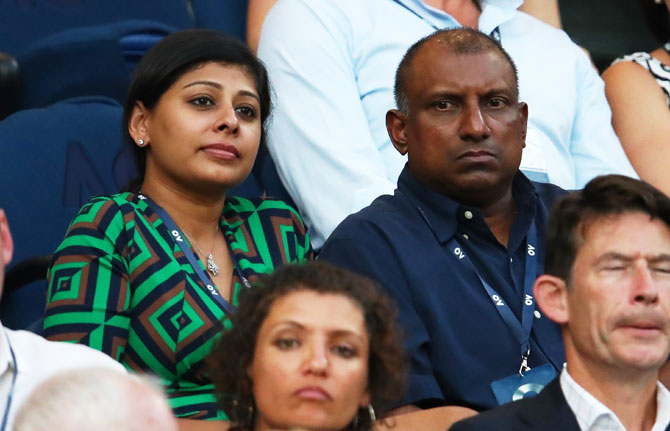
{"x": 524, "y": 363}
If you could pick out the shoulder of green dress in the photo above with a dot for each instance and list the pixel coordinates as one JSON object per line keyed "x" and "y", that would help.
{"x": 239, "y": 205}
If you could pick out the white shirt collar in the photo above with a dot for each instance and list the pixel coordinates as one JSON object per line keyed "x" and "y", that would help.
{"x": 592, "y": 415}
{"x": 5, "y": 356}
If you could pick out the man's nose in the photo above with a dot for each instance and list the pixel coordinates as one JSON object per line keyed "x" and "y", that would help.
{"x": 473, "y": 123}
{"x": 644, "y": 286}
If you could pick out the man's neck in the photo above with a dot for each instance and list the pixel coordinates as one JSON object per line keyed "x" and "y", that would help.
{"x": 630, "y": 395}
{"x": 500, "y": 216}
{"x": 466, "y": 12}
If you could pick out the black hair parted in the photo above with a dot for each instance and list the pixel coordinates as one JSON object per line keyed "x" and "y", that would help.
{"x": 179, "y": 53}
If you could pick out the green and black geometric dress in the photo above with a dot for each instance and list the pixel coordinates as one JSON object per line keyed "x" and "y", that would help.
{"x": 119, "y": 283}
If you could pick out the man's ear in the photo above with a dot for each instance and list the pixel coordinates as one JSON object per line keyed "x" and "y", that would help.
{"x": 523, "y": 114}
{"x": 138, "y": 123}
{"x": 551, "y": 294}
{"x": 395, "y": 125}
{"x": 6, "y": 242}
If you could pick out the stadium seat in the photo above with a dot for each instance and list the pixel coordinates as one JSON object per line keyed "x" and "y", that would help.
{"x": 53, "y": 160}
{"x": 24, "y": 22}
{"x": 228, "y": 16}
{"x": 85, "y": 61}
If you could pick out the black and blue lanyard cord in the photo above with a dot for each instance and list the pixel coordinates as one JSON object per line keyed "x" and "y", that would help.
{"x": 179, "y": 236}
{"x": 8, "y": 405}
{"x": 521, "y": 330}
{"x": 494, "y": 34}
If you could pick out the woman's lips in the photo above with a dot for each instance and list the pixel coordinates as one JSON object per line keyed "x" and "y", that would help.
{"x": 222, "y": 151}
{"x": 313, "y": 393}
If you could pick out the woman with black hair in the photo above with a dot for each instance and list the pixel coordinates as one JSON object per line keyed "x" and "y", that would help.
{"x": 638, "y": 91}
{"x": 147, "y": 276}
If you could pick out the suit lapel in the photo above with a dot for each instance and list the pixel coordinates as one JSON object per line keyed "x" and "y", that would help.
{"x": 549, "y": 411}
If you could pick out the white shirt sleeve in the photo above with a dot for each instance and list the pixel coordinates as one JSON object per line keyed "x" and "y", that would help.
{"x": 594, "y": 146}
{"x": 319, "y": 135}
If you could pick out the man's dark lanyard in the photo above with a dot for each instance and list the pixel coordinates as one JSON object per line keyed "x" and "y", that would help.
{"x": 521, "y": 330}
{"x": 179, "y": 238}
{"x": 494, "y": 34}
{"x": 8, "y": 405}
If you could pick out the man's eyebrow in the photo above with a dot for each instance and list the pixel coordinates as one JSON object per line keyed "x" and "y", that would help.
{"x": 613, "y": 255}
{"x": 659, "y": 258}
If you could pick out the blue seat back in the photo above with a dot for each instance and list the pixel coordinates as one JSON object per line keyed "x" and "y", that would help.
{"x": 23, "y": 22}
{"x": 228, "y": 16}
{"x": 85, "y": 61}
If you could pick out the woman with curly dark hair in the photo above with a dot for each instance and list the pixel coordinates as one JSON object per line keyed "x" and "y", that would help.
{"x": 310, "y": 347}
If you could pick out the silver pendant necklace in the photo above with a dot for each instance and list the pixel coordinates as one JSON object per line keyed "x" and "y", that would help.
{"x": 212, "y": 267}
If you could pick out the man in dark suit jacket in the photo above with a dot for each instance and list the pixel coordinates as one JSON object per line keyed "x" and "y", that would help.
{"x": 607, "y": 284}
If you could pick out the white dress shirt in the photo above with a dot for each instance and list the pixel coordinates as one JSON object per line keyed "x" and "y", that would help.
{"x": 38, "y": 359}
{"x": 592, "y": 415}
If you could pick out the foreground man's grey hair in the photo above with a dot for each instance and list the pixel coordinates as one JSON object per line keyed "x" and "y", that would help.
{"x": 96, "y": 399}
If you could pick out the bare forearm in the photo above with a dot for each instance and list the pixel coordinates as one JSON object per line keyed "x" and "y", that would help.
{"x": 255, "y": 17}
{"x": 411, "y": 418}
{"x": 544, "y": 10}
{"x": 198, "y": 425}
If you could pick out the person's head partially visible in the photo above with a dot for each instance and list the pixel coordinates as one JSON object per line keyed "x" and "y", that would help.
{"x": 196, "y": 111}
{"x": 6, "y": 246}
{"x": 459, "y": 119}
{"x": 311, "y": 347}
{"x": 97, "y": 399}
{"x": 607, "y": 280}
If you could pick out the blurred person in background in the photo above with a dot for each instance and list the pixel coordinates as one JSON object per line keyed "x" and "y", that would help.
{"x": 638, "y": 90}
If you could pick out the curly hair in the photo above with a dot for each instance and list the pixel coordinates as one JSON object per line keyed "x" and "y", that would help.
{"x": 234, "y": 352}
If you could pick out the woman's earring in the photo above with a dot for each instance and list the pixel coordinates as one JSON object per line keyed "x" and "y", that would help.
{"x": 371, "y": 413}
{"x": 140, "y": 142}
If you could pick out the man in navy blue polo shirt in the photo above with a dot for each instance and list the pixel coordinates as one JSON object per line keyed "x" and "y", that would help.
{"x": 461, "y": 241}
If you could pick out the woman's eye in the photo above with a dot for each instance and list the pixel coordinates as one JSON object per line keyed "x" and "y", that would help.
{"x": 202, "y": 101}
{"x": 286, "y": 343}
{"x": 247, "y": 111}
{"x": 344, "y": 351}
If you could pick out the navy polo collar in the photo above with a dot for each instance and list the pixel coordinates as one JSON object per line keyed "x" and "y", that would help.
{"x": 442, "y": 212}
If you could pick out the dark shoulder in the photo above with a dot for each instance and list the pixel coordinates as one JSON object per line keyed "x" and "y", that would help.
{"x": 548, "y": 193}
{"x": 386, "y": 212}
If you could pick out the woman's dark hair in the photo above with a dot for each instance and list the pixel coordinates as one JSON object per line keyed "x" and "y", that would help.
{"x": 658, "y": 19}
{"x": 234, "y": 353}
{"x": 177, "y": 54}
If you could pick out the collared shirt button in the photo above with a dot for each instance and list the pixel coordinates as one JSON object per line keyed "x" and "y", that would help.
{"x": 465, "y": 235}
{"x": 511, "y": 259}
{"x": 537, "y": 314}
{"x": 468, "y": 215}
